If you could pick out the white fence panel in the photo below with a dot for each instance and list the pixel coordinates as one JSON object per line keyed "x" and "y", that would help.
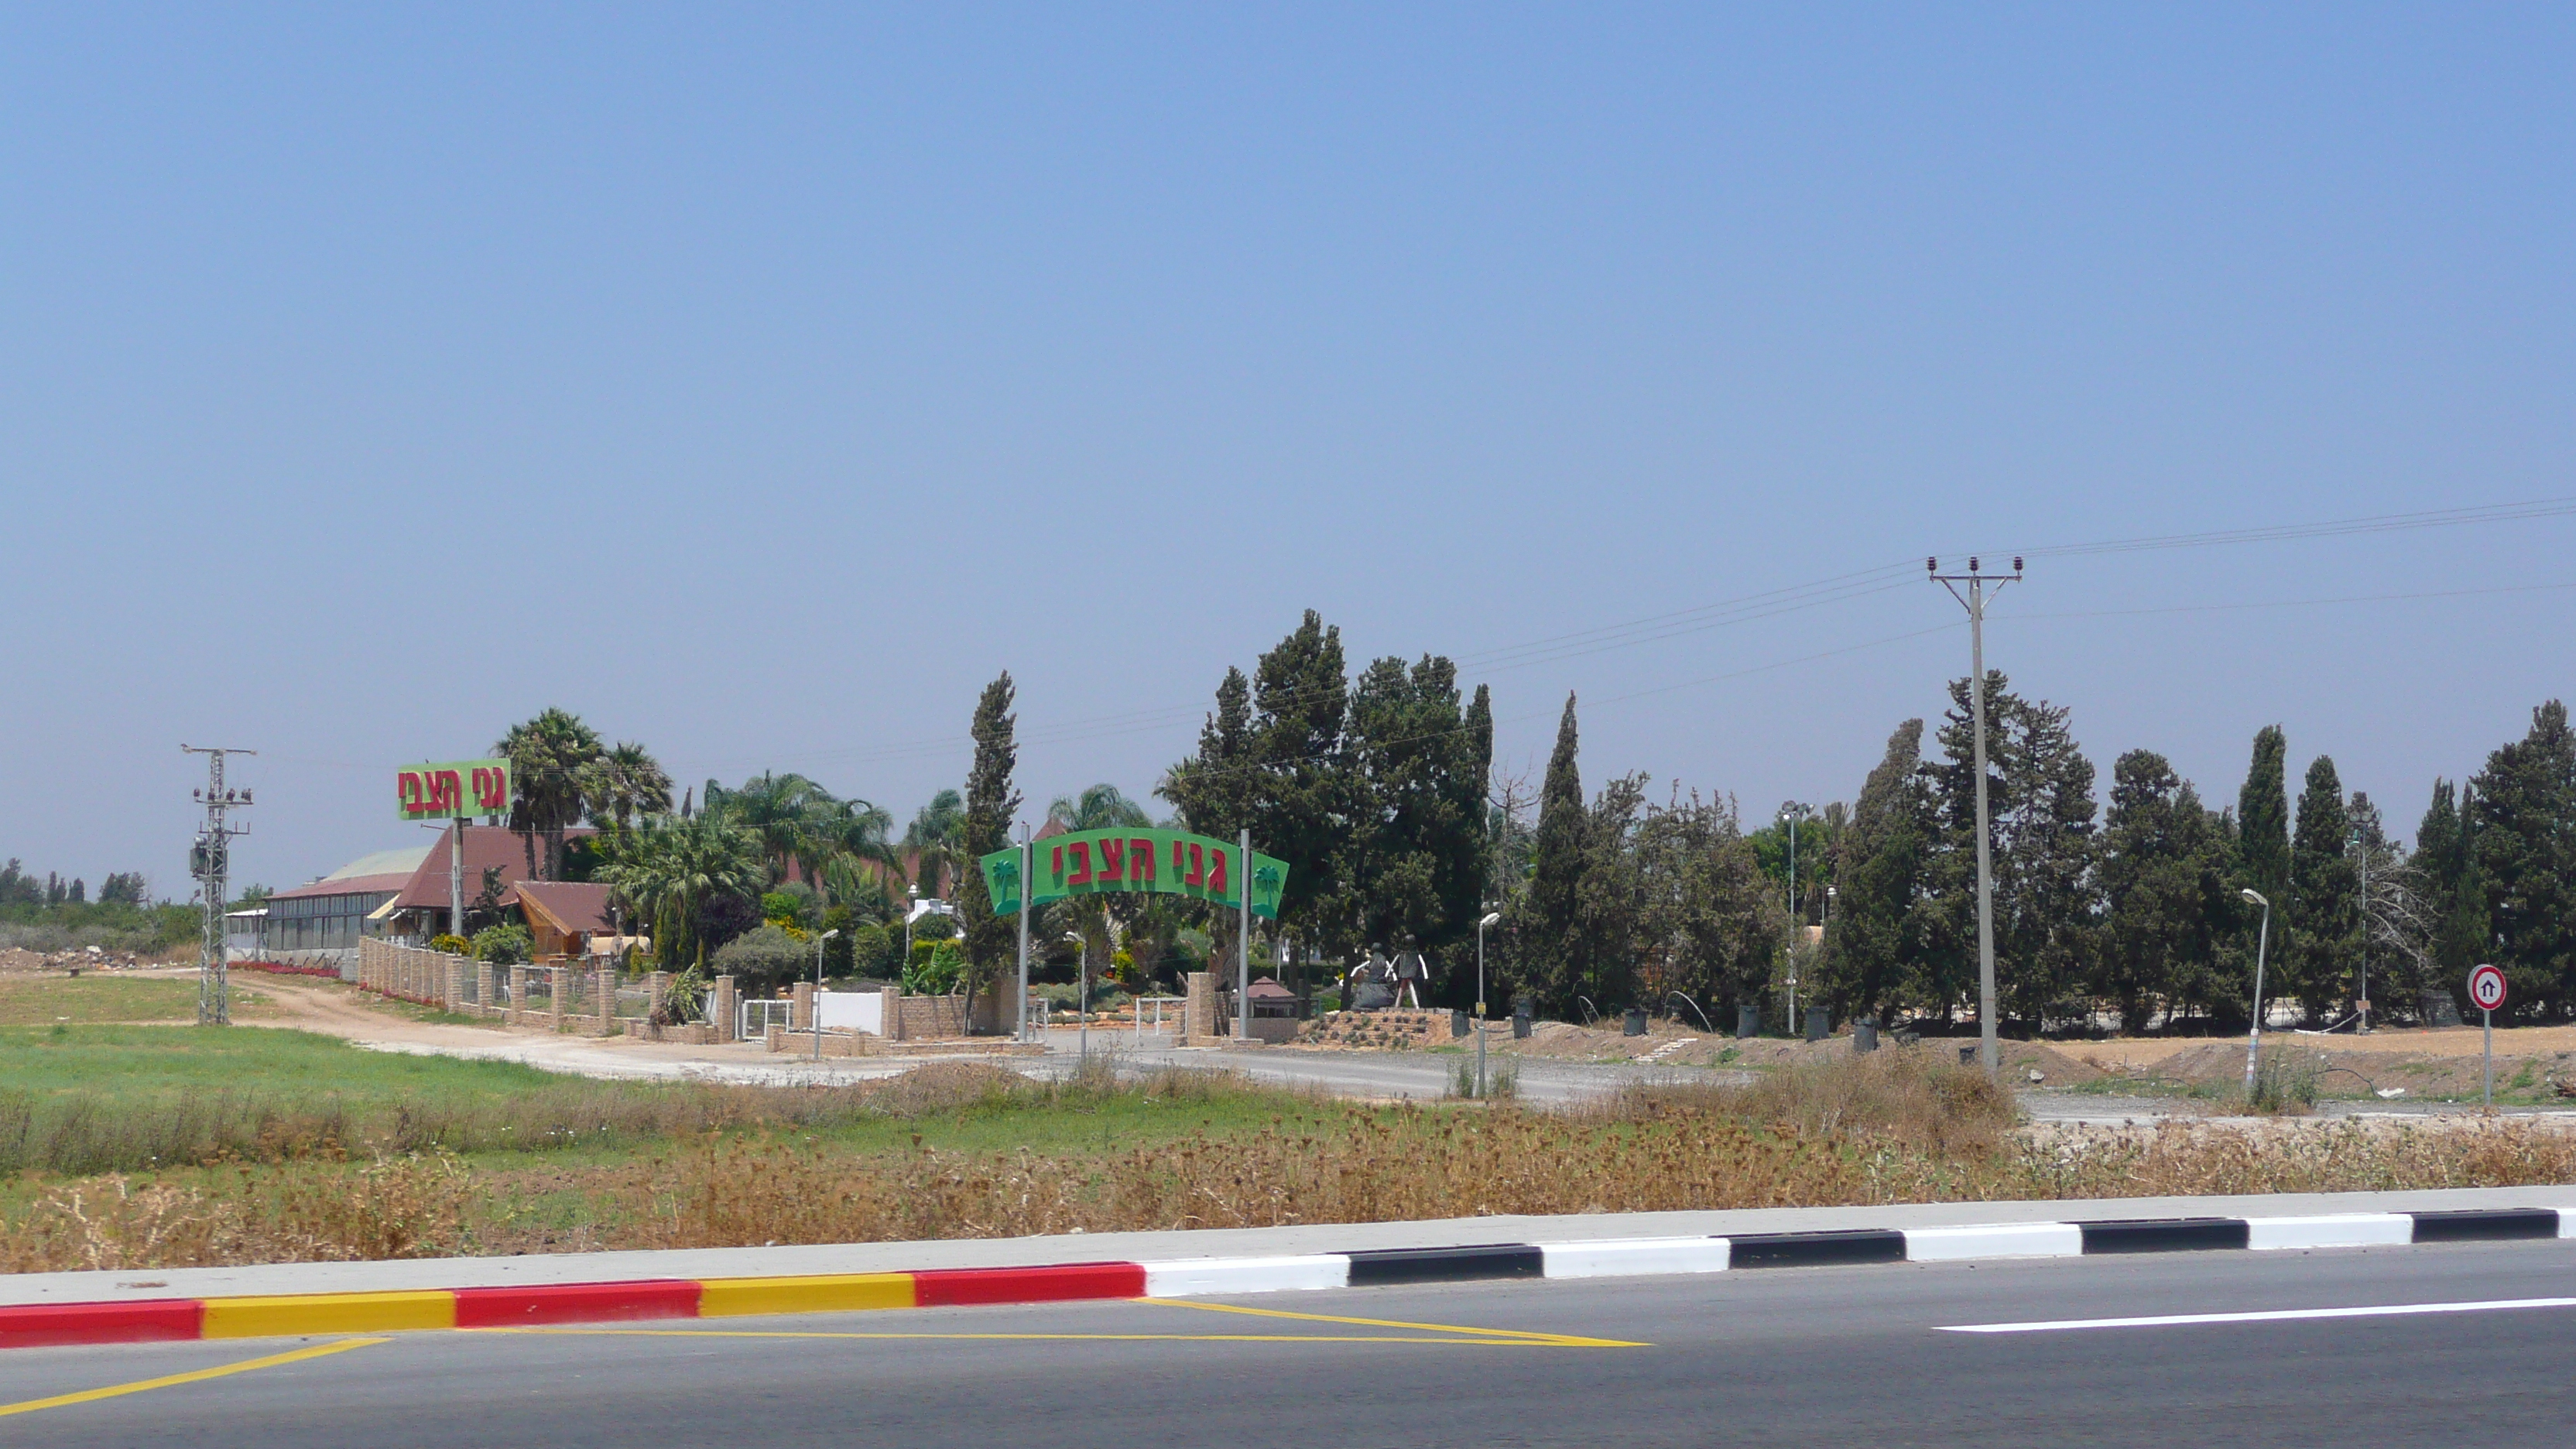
{"x": 851, "y": 1011}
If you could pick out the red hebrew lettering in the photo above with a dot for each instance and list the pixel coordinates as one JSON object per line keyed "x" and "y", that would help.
{"x": 1216, "y": 874}
{"x": 487, "y": 790}
{"x": 451, "y": 792}
{"x": 1198, "y": 873}
{"x": 1177, "y": 866}
{"x": 407, "y": 789}
{"x": 1081, "y": 863}
{"x": 1057, "y": 858}
{"x": 1113, "y": 860}
{"x": 1141, "y": 852}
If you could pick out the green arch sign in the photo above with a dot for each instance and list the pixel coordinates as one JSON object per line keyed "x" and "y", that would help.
{"x": 1163, "y": 862}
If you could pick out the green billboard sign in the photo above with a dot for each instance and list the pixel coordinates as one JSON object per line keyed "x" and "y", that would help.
{"x": 1165, "y": 862}
{"x": 456, "y": 788}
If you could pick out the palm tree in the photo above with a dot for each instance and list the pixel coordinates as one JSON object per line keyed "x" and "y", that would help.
{"x": 781, "y": 810}
{"x": 669, "y": 869}
{"x": 848, "y": 830}
{"x": 937, "y": 837}
{"x": 626, "y": 782}
{"x": 1102, "y": 919}
{"x": 551, "y": 758}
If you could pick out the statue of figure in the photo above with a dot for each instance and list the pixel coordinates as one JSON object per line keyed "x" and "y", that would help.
{"x": 1411, "y": 972}
{"x": 1371, "y": 984}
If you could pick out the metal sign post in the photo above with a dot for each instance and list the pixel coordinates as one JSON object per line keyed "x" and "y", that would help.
{"x": 2486, "y": 992}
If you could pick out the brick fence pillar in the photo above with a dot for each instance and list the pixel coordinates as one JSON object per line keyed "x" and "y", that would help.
{"x": 455, "y": 992}
{"x": 607, "y": 978}
{"x": 518, "y": 1012}
{"x": 558, "y": 984}
{"x": 720, "y": 1006}
{"x": 892, "y": 1019}
{"x": 483, "y": 986}
{"x": 658, "y": 992}
{"x": 800, "y": 1007}
{"x": 1198, "y": 1013}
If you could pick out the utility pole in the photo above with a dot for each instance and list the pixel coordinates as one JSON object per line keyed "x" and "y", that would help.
{"x": 2361, "y": 843}
{"x": 1028, "y": 883}
{"x": 210, "y": 861}
{"x": 1989, "y": 1051}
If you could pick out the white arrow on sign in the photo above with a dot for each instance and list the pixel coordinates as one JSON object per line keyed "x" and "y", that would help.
{"x": 2486, "y": 988}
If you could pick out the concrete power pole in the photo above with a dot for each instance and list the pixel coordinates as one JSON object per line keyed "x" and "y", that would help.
{"x": 1989, "y": 1051}
{"x": 210, "y": 861}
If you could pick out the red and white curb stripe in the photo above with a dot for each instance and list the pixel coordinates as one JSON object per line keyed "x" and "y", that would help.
{"x": 165, "y": 1319}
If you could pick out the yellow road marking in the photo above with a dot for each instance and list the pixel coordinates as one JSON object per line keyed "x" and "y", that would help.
{"x": 1478, "y": 1341}
{"x": 1553, "y": 1340}
{"x": 87, "y": 1396}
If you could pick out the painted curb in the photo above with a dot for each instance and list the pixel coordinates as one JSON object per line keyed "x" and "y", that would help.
{"x": 646, "y": 1299}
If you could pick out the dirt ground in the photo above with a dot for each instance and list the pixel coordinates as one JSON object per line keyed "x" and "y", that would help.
{"x": 1664, "y": 1043}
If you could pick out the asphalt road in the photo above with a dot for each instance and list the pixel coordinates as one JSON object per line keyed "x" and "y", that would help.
{"x": 1861, "y": 1356}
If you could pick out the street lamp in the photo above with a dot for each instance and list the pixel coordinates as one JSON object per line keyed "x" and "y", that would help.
{"x": 911, "y": 913}
{"x": 2262, "y": 939}
{"x": 814, "y": 1011}
{"x": 1082, "y": 991}
{"x": 1490, "y": 919}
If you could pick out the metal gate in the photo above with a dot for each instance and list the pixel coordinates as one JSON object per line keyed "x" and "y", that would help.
{"x": 754, "y": 1018}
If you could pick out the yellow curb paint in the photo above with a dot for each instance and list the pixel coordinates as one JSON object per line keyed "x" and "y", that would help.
{"x": 91, "y": 1396}
{"x": 1048, "y": 1337}
{"x": 837, "y": 1293}
{"x": 328, "y": 1313}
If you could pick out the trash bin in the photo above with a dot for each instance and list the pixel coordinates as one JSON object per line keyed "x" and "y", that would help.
{"x": 1458, "y": 1022}
{"x": 1748, "y": 1022}
{"x": 1520, "y": 1020}
{"x": 1864, "y": 1035}
{"x": 1820, "y": 1023}
{"x": 1635, "y": 1025}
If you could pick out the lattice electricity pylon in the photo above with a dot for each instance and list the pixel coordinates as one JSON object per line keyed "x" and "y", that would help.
{"x": 210, "y": 861}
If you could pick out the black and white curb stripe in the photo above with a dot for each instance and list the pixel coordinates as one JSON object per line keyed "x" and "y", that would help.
{"x": 1626, "y": 1257}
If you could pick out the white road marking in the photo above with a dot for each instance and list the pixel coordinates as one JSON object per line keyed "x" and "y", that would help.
{"x": 2278, "y": 1315}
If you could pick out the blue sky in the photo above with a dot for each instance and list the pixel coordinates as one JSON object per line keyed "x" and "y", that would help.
{"x": 758, "y": 385}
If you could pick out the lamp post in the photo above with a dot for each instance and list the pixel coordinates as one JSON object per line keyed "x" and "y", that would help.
{"x": 814, "y": 1015}
{"x": 912, "y": 911}
{"x": 1082, "y": 992}
{"x": 1490, "y": 918}
{"x": 1790, "y": 815}
{"x": 2262, "y": 939}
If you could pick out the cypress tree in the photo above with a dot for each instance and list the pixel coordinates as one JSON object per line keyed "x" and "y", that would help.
{"x": 1552, "y": 951}
{"x": 2162, "y": 874}
{"x": 992, "y": 942}
{"x": 2263, "y": 826}
{"x": 1213, "y": 789}
{"x": 1871, "y": 963}
{"x": 2524, "y": 825}
{"x": 2454, "y": 894}
{"x": 2322, "y": 920}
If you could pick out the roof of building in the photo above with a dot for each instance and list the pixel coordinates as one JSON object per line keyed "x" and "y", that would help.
{"x": 516, "y": 853}
{"x": 571, "y": 907}
{"x": 1265, "y": 987}
{"x": 384, "y": 862}
{"x": 385, "y": 870}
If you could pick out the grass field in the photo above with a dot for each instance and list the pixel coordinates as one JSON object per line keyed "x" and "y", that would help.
{"x": 82, "y": 1000}
{"x": 136, "y": 1147}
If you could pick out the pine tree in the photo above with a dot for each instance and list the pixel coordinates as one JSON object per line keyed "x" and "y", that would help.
{"x": 1872, "y": 960}
{"x": 992, "y": 942}
{"x": 1300, "y": 798}
{"x": 2040, "y": 798}
{"x": 1551, "y": 954}
{"x": 2320, "y": 925}
{"x": 1414, "y": 769}
{"x": 2164, "y": 885}
{"x": 2524, "y": 824}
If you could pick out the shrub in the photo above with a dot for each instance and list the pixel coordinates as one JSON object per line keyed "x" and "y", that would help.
{"x": 451, "y": 944}
{"x": 764, "y": 957}
{"x": 503, "y": 945}
{"x": 935, "y": 968}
